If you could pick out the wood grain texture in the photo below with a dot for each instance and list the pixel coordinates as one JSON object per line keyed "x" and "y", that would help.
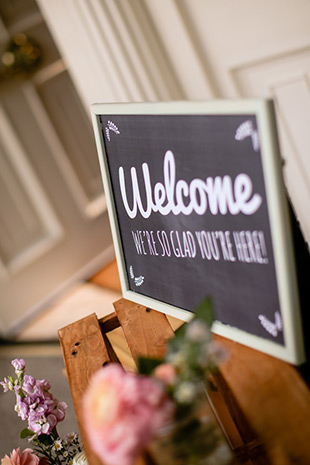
{"x": 84, "y": 352}
{"x": 146, "y": 331}
{"x": 274, "y": 399}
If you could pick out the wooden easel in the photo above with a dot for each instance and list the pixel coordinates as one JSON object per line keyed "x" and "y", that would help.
{"x": 262, "y": 403}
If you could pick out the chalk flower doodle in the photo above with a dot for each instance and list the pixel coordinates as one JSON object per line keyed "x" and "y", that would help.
{"x": 271, "y": 327}
{"x": 137, "y": 280}
{"x": 111, "y": 127}
{"x": 246, "y": 129}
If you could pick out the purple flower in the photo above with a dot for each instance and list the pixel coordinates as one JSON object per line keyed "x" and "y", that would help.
{"x": 36, "y": 421}
{"x": 40, "y": 423}
{"x": 34, "y": 402}
{"x": 16, "y": 389}
{"x": 21, "y": 408}
{"x": 29, "y": 384}
{"x": 59, "y": 410}
{"x": 36, "y": 388}
{"x": 43, "y": 385}
{"x": 52, "y": 421}
{"x": 48, "y": 405}
{"x": 41, "y": 410}
{"x": 7, "y": 385}
{"x": 44, "y": 414}
{"x": 36, "y": 427}
{"x": 19, "y": 364}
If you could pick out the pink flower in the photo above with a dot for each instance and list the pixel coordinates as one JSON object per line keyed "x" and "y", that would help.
{"x": 166, "y": 373}
{"x": 122, "y": 412}
{"x": 27, "y": 457}
{"x": 217, "y": 353}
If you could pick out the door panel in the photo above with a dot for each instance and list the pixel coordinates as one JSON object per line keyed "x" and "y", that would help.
{"x": 29, "y": 225}
{"x": 74, "y": 130}
{"x": 54, "y": 229}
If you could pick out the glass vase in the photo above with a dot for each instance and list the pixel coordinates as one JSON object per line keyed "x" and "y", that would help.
{"x": 195, "y": 439}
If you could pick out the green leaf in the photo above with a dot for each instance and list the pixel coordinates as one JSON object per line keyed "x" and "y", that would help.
{"x": 204, "y": 311}
{"x": 174, "y": 345}
{"x": 54, "y": 433}
{"x": 26, "y": 433}
{"x": 45, "y": 439}
{"x": 147, "y": 365}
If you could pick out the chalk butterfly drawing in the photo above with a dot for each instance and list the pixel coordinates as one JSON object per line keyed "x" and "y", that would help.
{"x": 246, "y": 129}
{"x": 139, "y": 280}
{"x": 111, "y": 127}
{"x": 271, "y": 327}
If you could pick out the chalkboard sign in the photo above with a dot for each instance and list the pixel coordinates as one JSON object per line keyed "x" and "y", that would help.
{"x": 197, "y": 208}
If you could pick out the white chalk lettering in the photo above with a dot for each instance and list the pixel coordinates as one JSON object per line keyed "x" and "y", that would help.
{"x": 208, "y": 245}
{"x": 221, "y": 194}
{"x": 184, "y": 247}
{"x": 250, "y": 246}
{"x": 139, "y": 242}
{"x": 163, "y": 240}
{"x": 150, "y": 242}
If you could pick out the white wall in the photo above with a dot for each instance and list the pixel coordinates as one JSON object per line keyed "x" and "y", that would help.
{"x": 147, "y": 50}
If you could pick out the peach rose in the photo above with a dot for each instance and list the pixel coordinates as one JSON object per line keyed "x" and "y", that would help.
{"x": 121, "y": 412}
{"x": 27, "y": 457}
{"x": 165, "y": 372}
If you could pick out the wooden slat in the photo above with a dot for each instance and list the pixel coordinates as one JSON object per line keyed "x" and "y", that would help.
{"x": 248, "y": 448}
{"x": 145, "y": 330}
{"x": 84, "y": 352}
{"x": 243, "y": 440}
{"x": 109, "y": 322}
{"x": 274, "y": 399}
{"x": 268, "y": 400}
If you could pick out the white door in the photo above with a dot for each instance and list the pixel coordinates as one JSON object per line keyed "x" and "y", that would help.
{"x": 53, "y": 225}
{"x": 135, "y": 50}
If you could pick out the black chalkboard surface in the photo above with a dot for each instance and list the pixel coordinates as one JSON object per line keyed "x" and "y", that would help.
{"x": 197, "y": 208}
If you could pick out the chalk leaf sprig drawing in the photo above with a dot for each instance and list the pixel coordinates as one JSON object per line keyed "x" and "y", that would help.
{"x": 246, "y": 129}
{"x": 139, "y": 280}
{"x": 272, "y": 327}
{"x": 111, "y": 127}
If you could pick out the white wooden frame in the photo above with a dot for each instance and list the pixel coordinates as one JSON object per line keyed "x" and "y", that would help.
{"x": 293, "y": 350}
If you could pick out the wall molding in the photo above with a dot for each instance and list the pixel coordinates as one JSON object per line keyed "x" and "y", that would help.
{"x": 140, "y": 50}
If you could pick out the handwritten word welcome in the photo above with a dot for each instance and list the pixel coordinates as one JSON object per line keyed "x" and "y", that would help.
{"x": 220, "y": 194}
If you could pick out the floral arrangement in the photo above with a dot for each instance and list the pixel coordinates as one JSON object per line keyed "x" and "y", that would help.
{"x": 162, "y": 407}
{"x": 36, "y": 405}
